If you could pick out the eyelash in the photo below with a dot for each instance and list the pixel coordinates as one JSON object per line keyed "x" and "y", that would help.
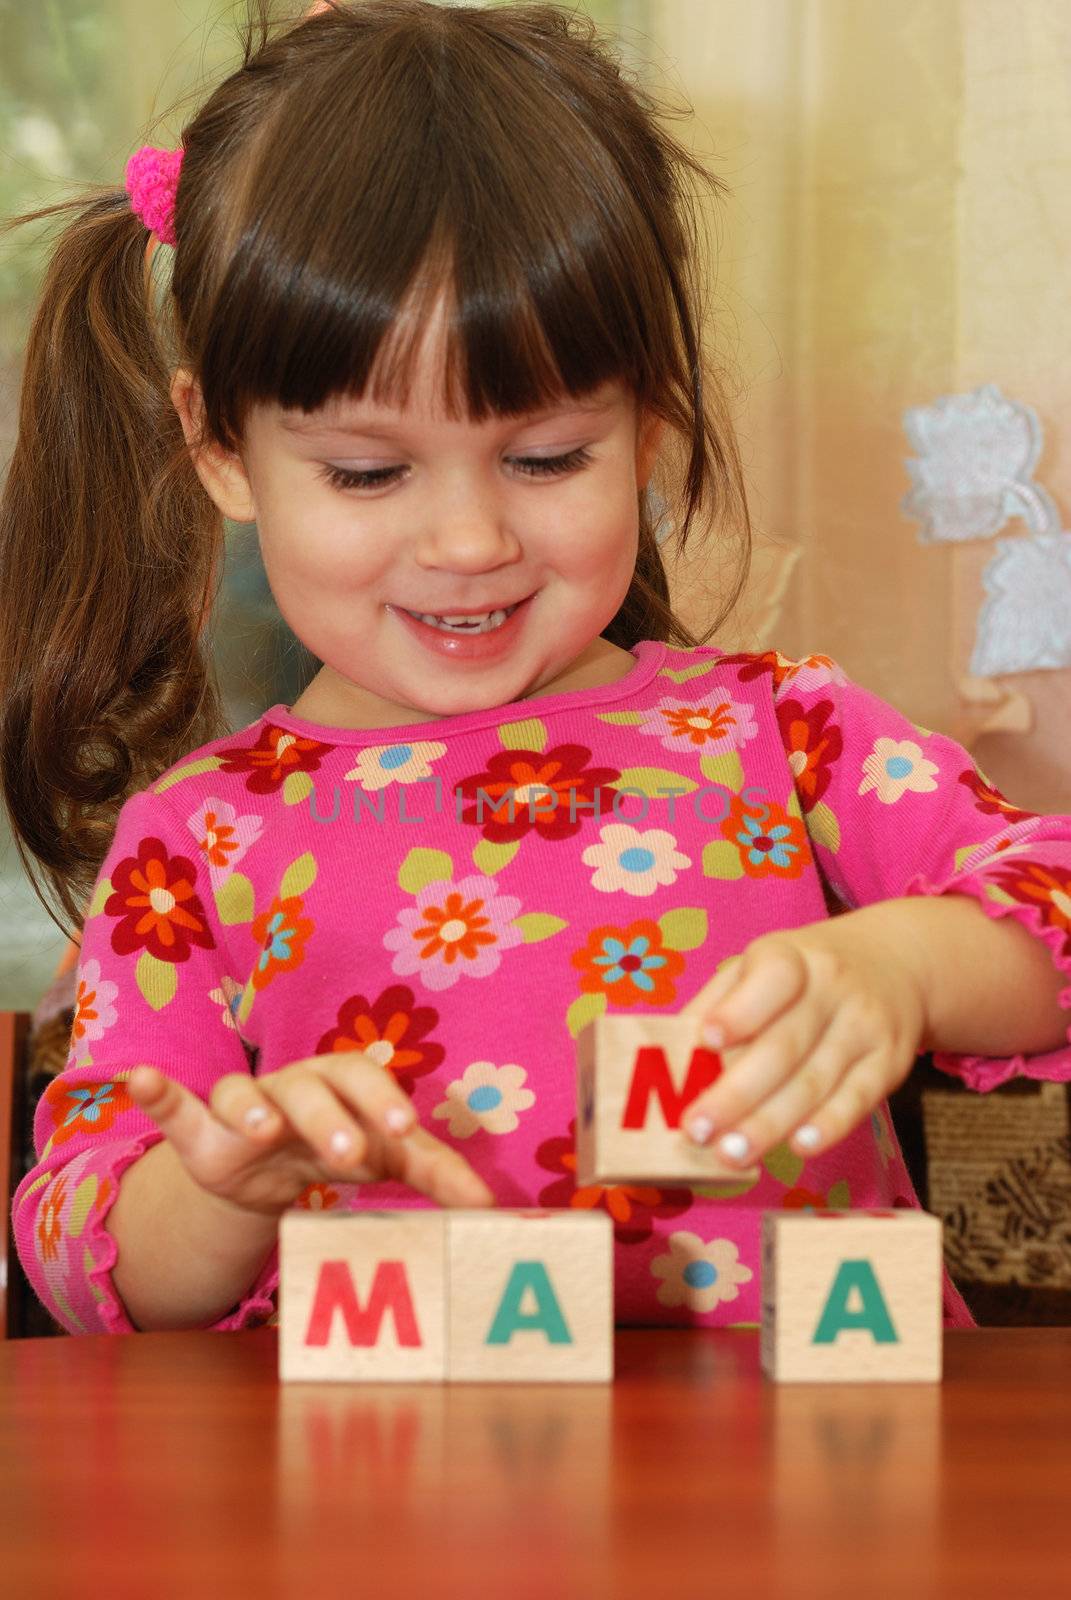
{"x": 532, "y": 466}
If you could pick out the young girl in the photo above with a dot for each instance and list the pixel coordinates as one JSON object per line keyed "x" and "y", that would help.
{"x": 434, "y": 319}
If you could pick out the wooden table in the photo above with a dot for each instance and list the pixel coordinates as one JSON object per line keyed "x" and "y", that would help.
{"x": 174, "y": 1464}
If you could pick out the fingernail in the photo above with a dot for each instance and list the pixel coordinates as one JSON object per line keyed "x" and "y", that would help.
{"x": 713, "y": 1036}
{"x": 255, "y": 1116}
{"x": 341, "y": 1142}
{"x": 734, "y": 1147}
{"x": 700, "y": 1129}
{"x": 808, "y": 1136}
{"x": 397, "y": 1119}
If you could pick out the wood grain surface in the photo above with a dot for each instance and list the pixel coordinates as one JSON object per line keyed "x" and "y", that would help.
{"x": 175, "y": 1464}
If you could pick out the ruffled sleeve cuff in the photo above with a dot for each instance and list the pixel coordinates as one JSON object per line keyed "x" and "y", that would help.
{"x": 67, "y": 1253}
{"x": 259, "y": 1305}
{"x": 1032, "y": 892}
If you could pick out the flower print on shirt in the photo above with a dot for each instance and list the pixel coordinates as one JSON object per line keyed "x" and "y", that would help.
{"x": 276, "y": 756}
{"x": 896, "y": 767}
{"x": 837, "y": 1198}
{"x": 155, "y": 905}
{"x": 634, "y": 861}
{"x": 94, "y": 1010}
{"x": 713, "y": 724}
{"x": 770, "y": 842}
{"x": 391, "y": 1029}
{"x": 810, "y": 672}
{"x": 317, "y": 1197}
{"x": 698, "y": 1274}
{"x": 630, "y": 964}
{"x": 632, "y": 1207}
{"x": 457, "y": 929}
{"x": 282, "y": 933}
{"x": 1013, "y": 843}
{"x": 49, "y": 1227}
{"x": 486, "y": 1097}
{"x": 1046, "y": 888}
{"x": 990, "y": 801}
{"x": 550, "y": 793}
{"x": 227, "y": 994}
{"x": 812, "y": 744}
{"x": 89, "y": 1107}
{"x": 223, "y": 836}
{"x": 381, "y": 764}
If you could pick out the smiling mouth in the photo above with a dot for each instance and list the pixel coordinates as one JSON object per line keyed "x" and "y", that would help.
{"x": 466, "y": 621}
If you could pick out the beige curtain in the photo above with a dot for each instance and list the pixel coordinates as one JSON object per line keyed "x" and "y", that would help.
{"x": 899, "y": 230}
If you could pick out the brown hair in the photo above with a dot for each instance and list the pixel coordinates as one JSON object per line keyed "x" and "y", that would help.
{"x": 353, "y": 161}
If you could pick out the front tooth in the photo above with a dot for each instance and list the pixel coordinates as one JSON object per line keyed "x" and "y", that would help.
{"x": 475, "y": 616}
{"x": 482, "y": 625}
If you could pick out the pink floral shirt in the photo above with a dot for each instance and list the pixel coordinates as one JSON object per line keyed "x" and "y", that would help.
{"x": 295, "y": 889}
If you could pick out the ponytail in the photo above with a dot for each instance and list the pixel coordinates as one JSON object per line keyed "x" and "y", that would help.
{"x": 108, "y": 549}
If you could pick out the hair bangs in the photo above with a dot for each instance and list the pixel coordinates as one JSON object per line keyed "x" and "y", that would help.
{"x": 531, "y": 234}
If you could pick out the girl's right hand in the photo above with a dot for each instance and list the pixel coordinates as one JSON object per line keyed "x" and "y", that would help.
{"x": 340, "y": 1118}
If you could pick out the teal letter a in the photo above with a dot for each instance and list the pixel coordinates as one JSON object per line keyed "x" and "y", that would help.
{"x": 508, "y": 1318}
{"x": 873, "y": 1313}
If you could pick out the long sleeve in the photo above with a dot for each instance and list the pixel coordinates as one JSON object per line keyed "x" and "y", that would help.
{"x": 893, "y": 809}
{"x": 152, "y": 986}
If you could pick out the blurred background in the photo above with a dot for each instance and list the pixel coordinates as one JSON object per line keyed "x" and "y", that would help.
{"x": 897, "y": 230}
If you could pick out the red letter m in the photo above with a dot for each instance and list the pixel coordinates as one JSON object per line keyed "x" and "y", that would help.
{"x": 335, "y": 1292}
{"x": 650, "y": 1075}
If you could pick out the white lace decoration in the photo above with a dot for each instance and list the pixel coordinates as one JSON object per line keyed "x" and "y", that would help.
{"x": 976, "y": 457}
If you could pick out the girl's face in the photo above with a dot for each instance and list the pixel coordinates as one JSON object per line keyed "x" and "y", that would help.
{"x": 364, "y": 513}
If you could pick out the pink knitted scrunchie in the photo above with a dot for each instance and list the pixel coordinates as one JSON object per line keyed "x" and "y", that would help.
{"x": 152, "y": 177}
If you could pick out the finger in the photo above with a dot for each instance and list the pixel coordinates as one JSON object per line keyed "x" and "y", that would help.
{"x": 369, "y": 1088}
{"x": 714, "y": 991}
{"x": 755, "y": 1071}
{"x": 180, "y": 1115}
{"x": 861, "y": 1090}
{"x": 771, "y": 976}
{"x": 239, "y": 1102}
{"x": 427, "y": 1164}
{"x": 819, "y": 1071}
{"x": 317, "y": 1115}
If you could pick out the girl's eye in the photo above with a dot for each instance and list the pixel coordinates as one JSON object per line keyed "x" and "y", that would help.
{"x": 533, "y": 466}
{"x": 540, "y": 466}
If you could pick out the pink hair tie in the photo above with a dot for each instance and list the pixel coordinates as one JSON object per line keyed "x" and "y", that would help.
{"x": 152, "y": 177}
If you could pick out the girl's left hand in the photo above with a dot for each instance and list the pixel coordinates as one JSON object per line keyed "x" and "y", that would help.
{"x": 820, "y": 1023}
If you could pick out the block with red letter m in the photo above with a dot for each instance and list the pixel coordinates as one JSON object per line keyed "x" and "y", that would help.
{"x": 635, "y": 1078}
{"x": 362, "y": 1295}
{"x": 851, "y": 1296}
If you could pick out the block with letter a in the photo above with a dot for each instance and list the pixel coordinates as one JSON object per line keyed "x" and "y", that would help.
{"x": 531, "y": 1297}
{"x": 427, "y": 1294}
{"x": 362, "y": 1295}
{"x": 851, "y": 1296}
{"x": 635, "y": 1077}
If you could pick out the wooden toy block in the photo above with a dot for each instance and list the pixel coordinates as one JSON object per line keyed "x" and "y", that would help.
{"x": 635, "y": 1076}
{"x": 531, "y": 1297}
{"x": 851, "y": 1296}
{"x": 426, "y": 1294}
{"x": 362, "y": 1296}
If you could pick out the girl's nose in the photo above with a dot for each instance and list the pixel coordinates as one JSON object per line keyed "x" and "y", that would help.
{"x": 468, "y": 535}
